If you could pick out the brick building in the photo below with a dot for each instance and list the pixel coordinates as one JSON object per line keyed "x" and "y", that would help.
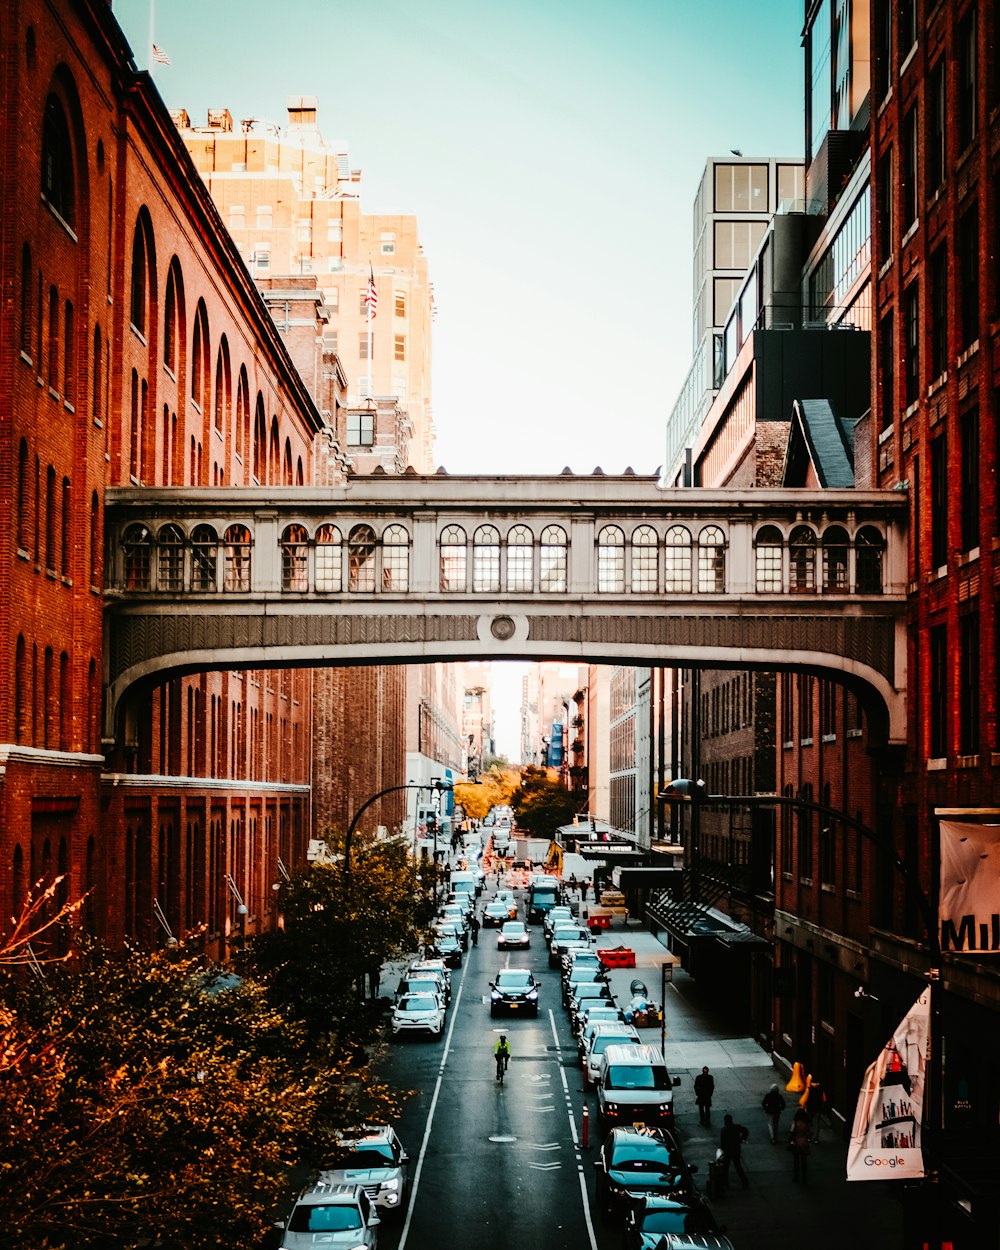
{"x": 135, "y": 350}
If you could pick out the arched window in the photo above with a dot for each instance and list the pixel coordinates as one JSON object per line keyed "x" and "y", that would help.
{"x": 286, "y": 468}
{"x": 711, "y": 560}
{"x": 67, "y": 529}
{"x": 172, "y": 317}
{"x": 95, "y": 538}
{"x": 204, "y": 558}
{"x": 869, "y": 548}
{"x": 69, "y": 355}
{"x": 677, "y": 561}
{"x": 395, "y": 558}
{"x": 242, "y": 432}
{"x": 453, "y": 559}
{"x": 136, "y": 543}
{"x": 802, "y": 559}
{"x": 137, "y": 302}
{"x": 611, "y": 560}
{"x": 50, "y": 519}
{"x": 274, "y": 454}
{"x": 295, "y": 559}
{"x": 96, "y": 401}
{"x": 223, "y": 390}
{"x": 170, "y": 558}
{"x": 57, "y": 161}
{"x": 486, "y": 560}
{"x": 769, "y": 547}
{"x": 644, "y": 560}
{"x": 552, "y": 560}
{"x": 836, "y": 545}
{"x": 20, "y": 690}
{"x": 200, "y": 359}
{"x": 64, "y": 702}
{"x": 520, "y": 559}
{"x": 93, "y": 706}
{"x": 22, "y": 495}
{"x": 133, "y": 429}
{"x": 329, "y": 559}
{"x": 237, "y": 556}
{"x": 53, "y": 360}
{"x": 361, "y": 558}
{"x": 299, "y": 473}
{"x": 48, "y": 700}
{"x": 259, "y": 441}
{"x": 24, "y": 327}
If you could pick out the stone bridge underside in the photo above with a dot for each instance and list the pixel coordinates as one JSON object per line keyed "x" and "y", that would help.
{"x": 858, "y": 639}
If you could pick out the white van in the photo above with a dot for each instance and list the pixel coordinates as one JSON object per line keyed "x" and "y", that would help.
{"x": 634, "y": 1087}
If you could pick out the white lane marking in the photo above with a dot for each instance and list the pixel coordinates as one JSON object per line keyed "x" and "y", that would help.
{"x": 586, "y": 1210}
{"x": 430, "y": 1117}
{"x": 549, "y": 1145}
{"x": 585, "y": 1198}
{"x": 545, "y": 1167}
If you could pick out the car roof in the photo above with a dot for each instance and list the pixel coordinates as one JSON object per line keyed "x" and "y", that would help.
{"x": 607, "y": 1028}
{"x": 641, "y": 1132}
{"x": 327, "y": 1192}
{"x": 367, "y": 1133}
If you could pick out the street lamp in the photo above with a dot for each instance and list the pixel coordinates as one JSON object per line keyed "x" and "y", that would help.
{"x": 696, "y": 792}
{"x": 436, "y": 785}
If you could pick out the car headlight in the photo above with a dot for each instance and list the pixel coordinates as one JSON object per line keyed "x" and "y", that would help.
{"x": 496, "y": 995}
{"x": 533, "y": 994}
{"x": 393, "y": 1184}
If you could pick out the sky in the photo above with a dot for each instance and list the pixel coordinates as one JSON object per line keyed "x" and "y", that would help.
{"x": 551, "y": 151}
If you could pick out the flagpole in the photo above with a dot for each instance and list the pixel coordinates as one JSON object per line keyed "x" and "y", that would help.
{"x": 152, "y": 35}
{"x": 371, "y": 337}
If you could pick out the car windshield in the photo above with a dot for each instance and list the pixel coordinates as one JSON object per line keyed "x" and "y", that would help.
{"x": 636, "y": 1076}
{"x": 602, "y": 1042}
{"x": 368, "y": 1155}
{"x": 447, "y": 927}
{"x": 677, "y": 1220}
{"x": 647, "y": 1155}
{"x": 418, "y": 1002}
{"x": 513, "y": 926}
{"x": 324, "y": 1218}
{"x": 583, "y": 976}
{"x": 565, "y": 934}
{"x": 590, "y": 989}
{"x": 514, "y": 980}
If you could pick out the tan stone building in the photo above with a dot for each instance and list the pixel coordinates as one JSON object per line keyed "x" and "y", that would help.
{"x": 291, "y": 201}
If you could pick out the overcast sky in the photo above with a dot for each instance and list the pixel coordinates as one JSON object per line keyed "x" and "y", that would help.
{"x": 551, "y": 150}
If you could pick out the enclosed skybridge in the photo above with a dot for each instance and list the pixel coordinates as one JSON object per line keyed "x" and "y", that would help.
{"x": 401, "y": 569}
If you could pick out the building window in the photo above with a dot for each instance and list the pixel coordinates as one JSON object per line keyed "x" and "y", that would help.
{"x": 328, "y": 557}
{"x": 887, "y": 366}
{"x": 238, "y": 550}
{"x": 939, "y": 502}
{"x": 885, "y": 206}
{"x": 869, "y": 550}
{"x": 711, "y": 560}
{"x": 883, "y": 48}
{"x": 295, "y": 559}
{"x": 303, "y": 230}
{"x": 802, "y": 559}
{"x": 910, "y": 141}
{"x": 67, "y": 530}
{"x": 827, "y": 709}
{"x": 768, "y": 558}
{"x": 741, "y": 188}
{"x": 360, "y": 429}
{"x": 170, "y": 323}
{"x": 644, "y": 560}
{"x": 264, "y": 216}
{"x": 827, "y": 876}
{"x": 364, "y": 339}
{"x": 966, "y": 40}
{"x": 936, "y": 105}
{"x": 486, "y": 559}
{"x": 938, "y": 725}
{"x": 971, "y": 465}
{"x": 911, "y": 313}
{"x": 20, "y": 690}
{"x": 835, "y": 568}
{"x": 57, "y": 161}
{"x": 137, "y": 305}
{"x": 24, "y": 327}
{"x": 387, "y": 240}
{"x": 53, "y": 361}
{"x": 520, "y": 559}
{"x": 261, "y": 260}
{"x": 204, "y": 558}
{"x": 611, "y": 560}
{"x": 95, "y": 538}
{"x": 453, "y": 556}
{"x": 400, "y": 303}
{"x": 22, "y": 496}
{"x": 136, "y": 548}
{"x": 804, "y": 820}
{"x": 968, "y": 266}
{"x": 907, "y": 27}
{"x": 334, "y": 230}
{"x": 552, "y": 555}
{"x": 50, "y": 519}
{"x": 399, "y": 347}
{"x": 334, "y": 264}
{"x": 395, "y": 558}
{"x": 805, "y": 691}
{"x": 237, "y": 217}
{"x": 170, "y": 558}
{"x": 968, "y": 676}
{"x": 939, "y": 311}
{"x": 677, "y": 561}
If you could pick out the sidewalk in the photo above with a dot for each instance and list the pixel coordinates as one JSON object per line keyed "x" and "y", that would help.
{"x": 828, "y": 1213}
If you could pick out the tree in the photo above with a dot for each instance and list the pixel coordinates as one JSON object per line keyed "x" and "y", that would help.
{"x": 496, "y": 785}
{"x": 541, "y": 805}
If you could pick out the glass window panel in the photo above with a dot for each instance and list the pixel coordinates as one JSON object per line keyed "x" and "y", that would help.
{"x": 611, "y": 560}
{"x": 552, "y": 559}
{"x": 644, "y": 560}
{"x": 868, "y": 550}
{"x": 204, "y": 554}
{"x": 295, "y": 559}
{"x": 520, "y": 550}
{"x": 453, "y": 558}
{"x": 136, "y": 545}
{"x": 677, "y": 561}
{"x": 769, "y": 545}
{"x": 329, "y": 559}
{"x": 395, "y": 558}
{"x": 486, "y": 560}
{"x": 835, "y": 547}
{"x": 802, "y": 559}
{"x": 361, "y": 559}
{"x": 711, "y": 560}
{"x": 170, "y": 558}
{"x": 238, "y": 548}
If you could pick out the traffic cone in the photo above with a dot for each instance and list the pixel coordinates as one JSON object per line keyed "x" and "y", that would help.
{"x": 796, "y": 1082}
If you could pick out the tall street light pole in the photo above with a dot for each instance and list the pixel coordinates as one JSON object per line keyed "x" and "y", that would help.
{"x": 436, "y": 784}
{"x": 697, "y": 793}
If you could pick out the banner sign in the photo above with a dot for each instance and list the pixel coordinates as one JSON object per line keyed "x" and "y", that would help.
{"x": 969, "y": 908}
{"x": 885, "y": 1139}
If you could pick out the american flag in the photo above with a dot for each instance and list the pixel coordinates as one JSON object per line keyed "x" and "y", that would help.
{"x": 159, "y": 56}
{"x": 371, "y": 295}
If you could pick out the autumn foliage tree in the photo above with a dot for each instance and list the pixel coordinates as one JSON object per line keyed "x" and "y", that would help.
{"x": 494, "y": 789}
{"x": 542, "y": 804}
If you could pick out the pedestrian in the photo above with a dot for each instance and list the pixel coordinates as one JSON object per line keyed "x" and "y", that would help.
{"x": 773, "y": 1105}
{"x": 798, "y": 1144}
{"x": 704, "y": 1088}
{"x": 731, "y": 1140}
{"x": 474, "y": 929}
{"x": 572, "y": 882}
{"x": 814, "y": 1103}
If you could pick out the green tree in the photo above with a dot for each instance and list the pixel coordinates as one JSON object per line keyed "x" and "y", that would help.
{"x": 541, "y": 804}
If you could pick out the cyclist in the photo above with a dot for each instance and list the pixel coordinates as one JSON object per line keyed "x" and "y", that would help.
{"x": 501, "y": 1052}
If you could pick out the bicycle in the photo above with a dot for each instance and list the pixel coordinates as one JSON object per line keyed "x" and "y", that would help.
{"x": 501, "y": 1068}
{"x": 502, "y": 1056}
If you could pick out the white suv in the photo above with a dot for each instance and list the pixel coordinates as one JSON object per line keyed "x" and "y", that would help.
{"x": 336, "y": 1216}
{"x": 418, "y": 1013}
{"x": 374, "y": 1158}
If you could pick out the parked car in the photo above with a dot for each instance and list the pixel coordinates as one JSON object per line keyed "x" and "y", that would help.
{"x": 514, "y": 935}
{"x": 638, "y": 1161}
{"x": 419, "y": 978}
{"x": 338, "y": 1217}
{"x": 603, "y": 1036}
{"x": 514, "y": 989}
{"x": 585, "y": 996}
{"x": 374, "y": 1158}
{"x": 495, "y": 914}
{"x": 563, "y": 937}
{"x": 633, "y": 1085}
{"x": 438, "y": 966}
{"x": 577, "y": 957}
{"x": 457, "y": 914}
{"x": 418, "y": 1013}
{"x": 604, "y": 1012}
{"x": 452, "y": 928}
{"x": 556, "y": 915}
{"x": 449, "y": 948}
{"x": 582, "y": 976}
{"x": 675, "y": 1222}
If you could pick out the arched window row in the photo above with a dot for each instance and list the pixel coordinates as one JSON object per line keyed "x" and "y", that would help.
{"x": 329, "y": 558}
{"x": 807, "y": 560}
{"x": 43, "y": 698}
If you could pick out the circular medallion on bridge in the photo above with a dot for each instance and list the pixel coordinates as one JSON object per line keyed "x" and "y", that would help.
{"x": 502, "y": 628}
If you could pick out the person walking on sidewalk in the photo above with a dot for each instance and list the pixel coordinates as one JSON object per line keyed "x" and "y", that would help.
{"x": 731, "y": 1141}
{"x": 704, "y": 1088}
{"x": 798, "y": 1143}
{"x": 773, "y": 1105}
